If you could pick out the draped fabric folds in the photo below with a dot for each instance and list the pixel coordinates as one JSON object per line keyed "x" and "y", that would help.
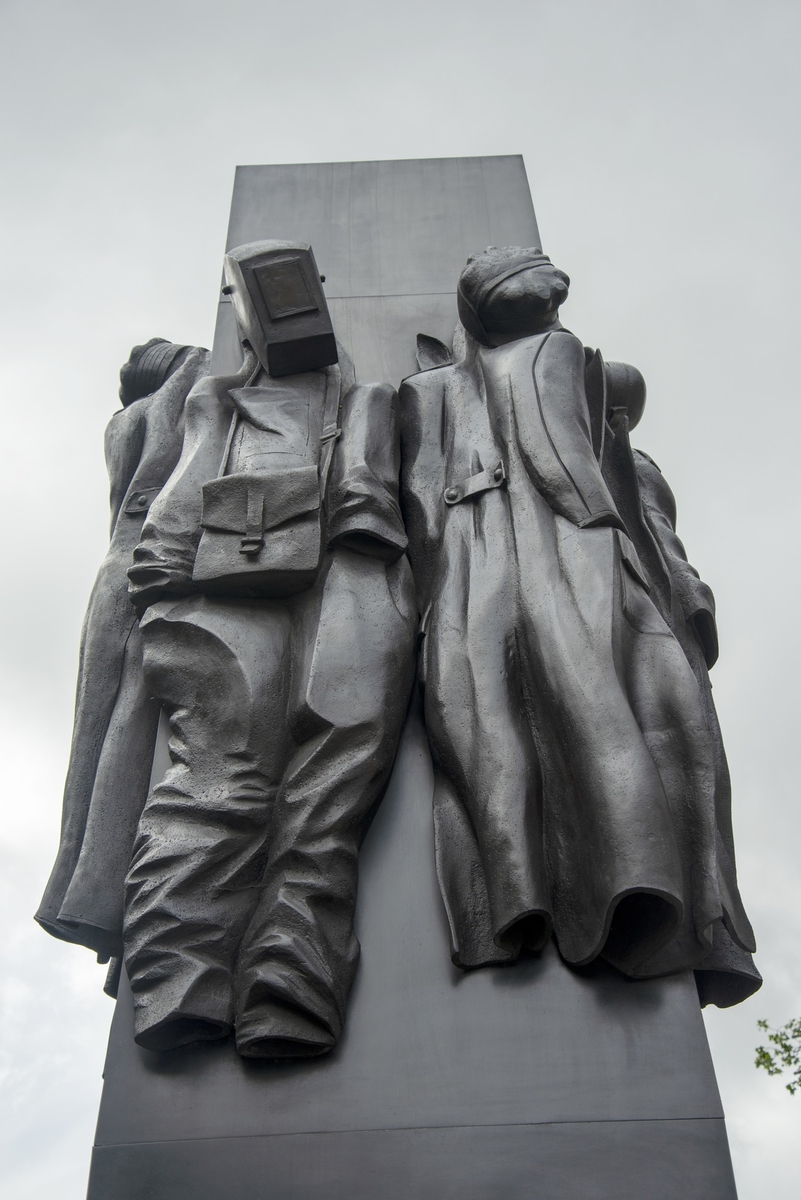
{"x": 581, "y": 784}
{"x": 115, "y": 718}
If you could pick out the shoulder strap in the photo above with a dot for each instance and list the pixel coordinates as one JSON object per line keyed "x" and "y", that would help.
{"x": 331, "y": 431}
{"x": 328, "y": 438}
{"x": 232, "y": 427}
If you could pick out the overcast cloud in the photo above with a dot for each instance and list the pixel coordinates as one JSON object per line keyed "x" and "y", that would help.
{"x": 661, "y": 142}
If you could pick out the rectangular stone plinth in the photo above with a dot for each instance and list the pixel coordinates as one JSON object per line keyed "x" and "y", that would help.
{"x": 527, "y": 1081}
{"x": 604, "y": 1160}
{"x": 531, "y": 1082}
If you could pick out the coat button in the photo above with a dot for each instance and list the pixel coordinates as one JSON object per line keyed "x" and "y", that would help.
{"x": 141, "y": 501}
{"x": 452, "y": 494}
{"x": 498, "y": 474}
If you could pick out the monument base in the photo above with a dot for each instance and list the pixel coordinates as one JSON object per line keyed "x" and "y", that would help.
{"x": 532, "y": 1082}
{"x": 596, "y": 1160}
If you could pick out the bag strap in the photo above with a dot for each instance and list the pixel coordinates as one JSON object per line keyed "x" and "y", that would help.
{"x": 234, "y": 422}
{"x": 253, "y": 540}
{"x": 331, "y": 430}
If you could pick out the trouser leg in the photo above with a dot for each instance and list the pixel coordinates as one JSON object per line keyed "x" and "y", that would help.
{"x": 300, "y": 952}
{"x": 221, "y": 672}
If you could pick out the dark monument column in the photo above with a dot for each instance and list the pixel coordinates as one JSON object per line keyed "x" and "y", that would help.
{"x": 536, "y": 1081}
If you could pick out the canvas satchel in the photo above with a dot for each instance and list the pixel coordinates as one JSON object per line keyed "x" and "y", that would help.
{"x": 263, "y": 529}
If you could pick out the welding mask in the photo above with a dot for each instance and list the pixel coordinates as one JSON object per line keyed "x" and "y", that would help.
{"x": 279, "y": 305}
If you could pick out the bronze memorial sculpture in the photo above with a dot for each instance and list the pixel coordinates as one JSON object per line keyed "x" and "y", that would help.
{"x": 277, "y": 629}
{"x": 288, "y": 547}
{"x": 115, "y": 716}
{"x": 277, "y": 634}
{"x": 581, "y": 783}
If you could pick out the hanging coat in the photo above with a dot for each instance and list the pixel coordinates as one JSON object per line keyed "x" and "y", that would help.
{"x": 576, "y": 773}
{"x": 115, "y": 720}
{"x": 726, "y": 975}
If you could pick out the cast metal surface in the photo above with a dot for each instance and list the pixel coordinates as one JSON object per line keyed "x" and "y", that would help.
{"x": 579, "y": 784}
{"x": 582, "y": 788}
{"x": 115, "y": 715}
{"x": 278, "y": 631}
{"x": 538, "y": 1081}
{"x": 277, "y": 296}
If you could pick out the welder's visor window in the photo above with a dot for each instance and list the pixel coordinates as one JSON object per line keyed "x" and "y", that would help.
{"x": 285, "y": 289}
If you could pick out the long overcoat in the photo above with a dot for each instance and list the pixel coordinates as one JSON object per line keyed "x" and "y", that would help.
{"x": 578, "y": 782}
{"x": 115, "y": 725}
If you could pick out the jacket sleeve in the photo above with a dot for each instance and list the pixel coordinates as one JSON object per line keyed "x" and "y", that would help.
{"x": 164, "y": 559}
{"x": 423, "y": 474}
{"x": 124, "y": 439}
{"x": 143, "y": 441}
{"x": 555, "y": 436}
{"x": 695, "y": 596}
{"x": 362, "y": 501}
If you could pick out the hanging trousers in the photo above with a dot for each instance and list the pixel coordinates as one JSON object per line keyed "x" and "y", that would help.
{"x": 284, "y": 721}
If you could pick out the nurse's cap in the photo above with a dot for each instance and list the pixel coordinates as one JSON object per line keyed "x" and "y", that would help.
{"x": 280, "y": 308}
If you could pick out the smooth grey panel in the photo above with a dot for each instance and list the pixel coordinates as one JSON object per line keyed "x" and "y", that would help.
{"x": 426, "y": 1044}
{"x": 387, "y": 228}
{"x": 226, "y": 355}
{"x": 396, "y": 232}
{"x": 379, "y": 333}
{"x": 629, "y": 1160}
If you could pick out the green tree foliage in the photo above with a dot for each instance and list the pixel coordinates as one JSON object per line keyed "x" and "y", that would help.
{"x": 784, "y": 1054}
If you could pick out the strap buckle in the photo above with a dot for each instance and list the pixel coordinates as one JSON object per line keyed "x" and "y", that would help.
{"x": 474, "y": 485}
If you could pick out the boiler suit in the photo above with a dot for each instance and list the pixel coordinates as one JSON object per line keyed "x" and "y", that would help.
{"x": 285, "y": 714}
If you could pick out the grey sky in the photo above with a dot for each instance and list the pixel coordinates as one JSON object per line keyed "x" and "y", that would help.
{"x": 662, "y": 150}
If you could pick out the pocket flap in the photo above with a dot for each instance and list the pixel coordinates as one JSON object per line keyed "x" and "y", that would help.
{"x": 140, "y": 499}
{"x": 286, "y": 494}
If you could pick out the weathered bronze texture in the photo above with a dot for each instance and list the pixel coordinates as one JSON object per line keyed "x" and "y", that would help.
{"x": 445, "y": 1083}
{"x": 582, "y": 788}
{"x": 579, "y": 783}
{"x": 278, "y": 633}
{"x": 149, "y": 367}
{"x": 280, "y": 307}
{"x": 115, "y": 716}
